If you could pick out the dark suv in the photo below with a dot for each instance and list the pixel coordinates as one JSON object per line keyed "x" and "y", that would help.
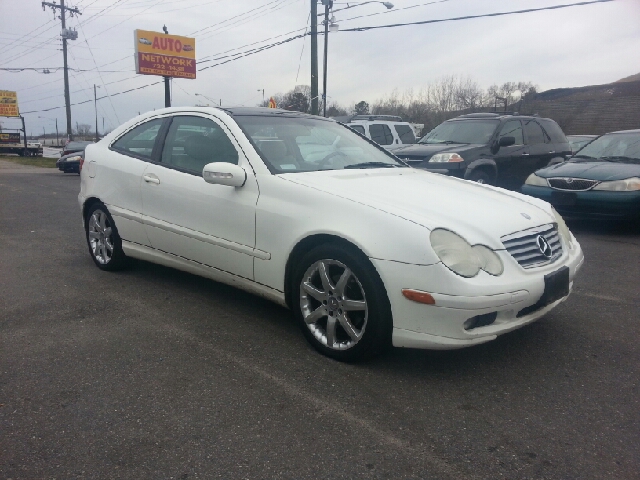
{"x": 489, "y": 148}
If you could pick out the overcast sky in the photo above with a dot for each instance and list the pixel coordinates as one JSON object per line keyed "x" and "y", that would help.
{"x": 577, "y": 46}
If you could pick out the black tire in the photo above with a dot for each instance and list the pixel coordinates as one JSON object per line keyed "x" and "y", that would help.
{"x": 481, "y": 176}
{"x": 372, "y": 324}
{"x": 105, "y": 245}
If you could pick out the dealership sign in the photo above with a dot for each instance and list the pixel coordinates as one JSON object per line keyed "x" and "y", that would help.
{"x": 6, "y": 138}
{"x": 8, "y": 104}
{"x": 166, "y": 55}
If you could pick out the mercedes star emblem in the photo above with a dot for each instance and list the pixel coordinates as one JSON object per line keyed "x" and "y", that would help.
{"x": 544, "y": 246}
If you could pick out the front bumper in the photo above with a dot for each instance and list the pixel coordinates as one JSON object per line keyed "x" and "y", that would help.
{"x": 590, "y": 203}
{"x": 442, "y": 326}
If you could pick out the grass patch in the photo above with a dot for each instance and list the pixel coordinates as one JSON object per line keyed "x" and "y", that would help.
{"x": 33, "y": 161}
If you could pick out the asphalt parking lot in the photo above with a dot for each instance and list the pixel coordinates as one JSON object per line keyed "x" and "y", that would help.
{"x": 154, "y": 373}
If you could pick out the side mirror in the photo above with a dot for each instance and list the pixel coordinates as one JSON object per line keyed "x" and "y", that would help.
{"x": 223, "y": 173}
{"x": 507, "y": 141}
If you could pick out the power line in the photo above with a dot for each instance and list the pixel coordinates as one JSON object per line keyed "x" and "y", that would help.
{"x": 470, "y": 17}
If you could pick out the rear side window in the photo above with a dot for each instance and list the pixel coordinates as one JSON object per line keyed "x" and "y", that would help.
{"x": 405, "y": 132}
{"x": 534, "y": 132}
{"x": 357, "y": 128}
{"x": 381, "y": 134}
{"x": 140, "y": 140}
{"x": 513, "y": 128}
{"x": 553, "y": 130}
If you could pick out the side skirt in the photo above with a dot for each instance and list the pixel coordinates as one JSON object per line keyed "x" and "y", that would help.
{"x": 148, "y": 254}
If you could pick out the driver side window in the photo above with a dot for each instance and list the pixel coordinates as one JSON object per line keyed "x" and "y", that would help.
{"x": 512, "y": 128}
{"x": 193, "y": 142}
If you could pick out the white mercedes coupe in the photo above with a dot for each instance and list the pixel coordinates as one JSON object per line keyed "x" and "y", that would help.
{"x": 366, "y": 251}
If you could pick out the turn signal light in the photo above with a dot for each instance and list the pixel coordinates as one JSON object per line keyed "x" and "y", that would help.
{"x": 418, "y": 296}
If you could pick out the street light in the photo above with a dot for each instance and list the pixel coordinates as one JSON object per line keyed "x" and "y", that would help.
{"x": 331, "y": 25}
{"x": 57, "y": 139}
{"x": 262, "y": 90}
{"x": 95, "y": 104}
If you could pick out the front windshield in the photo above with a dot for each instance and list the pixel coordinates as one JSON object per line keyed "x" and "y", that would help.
{"x": 614, "y": 146}
{"x": 462, "y": 131}
{"x": 300, "y": 144}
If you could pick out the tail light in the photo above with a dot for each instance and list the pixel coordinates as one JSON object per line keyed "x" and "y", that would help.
{"x": 81, "y": 163}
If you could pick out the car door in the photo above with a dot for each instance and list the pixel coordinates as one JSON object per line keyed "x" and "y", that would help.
{"x": 120, "y": 173}
{"x": 210, "y": 224}
{"x": 513, "y": 159}
{"x": 541, "y": 150}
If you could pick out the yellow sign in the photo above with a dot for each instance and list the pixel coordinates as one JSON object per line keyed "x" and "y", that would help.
{"x": 272, "y": 103}
{"x": 166, "y": 55}
{"x": 8, "y": 104}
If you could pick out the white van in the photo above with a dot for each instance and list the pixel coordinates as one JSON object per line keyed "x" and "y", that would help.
{"x": 388, "y": 131}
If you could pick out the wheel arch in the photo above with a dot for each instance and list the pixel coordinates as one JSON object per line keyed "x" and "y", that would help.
{"x": 486, "y": 164}
{"x": 88, "y": 203}
{"x": 308, "y": 243}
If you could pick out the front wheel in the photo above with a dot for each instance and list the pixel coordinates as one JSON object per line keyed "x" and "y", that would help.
{"x": 480, "y": 176}
{"x": 105, "y": 245}
{"x": 341, "y": 304}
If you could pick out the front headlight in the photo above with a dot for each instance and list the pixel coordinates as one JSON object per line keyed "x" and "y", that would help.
{"x": 73, "y": 159}
{"x": 446, "y": 157}
{"x": 628, "y": 185}
{"x": 563, "y": 229}
{"x": 462, "y": 258}
{"x": 534, "y": 179}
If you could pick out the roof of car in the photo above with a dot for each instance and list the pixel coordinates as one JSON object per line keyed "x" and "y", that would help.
{"x": 496, "y": 116}
{"x": 266, "y": 112}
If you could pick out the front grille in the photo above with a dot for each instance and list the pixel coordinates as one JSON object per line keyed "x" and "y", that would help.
{"x": 573, "y": 184}
{"x": 524, "y": 246}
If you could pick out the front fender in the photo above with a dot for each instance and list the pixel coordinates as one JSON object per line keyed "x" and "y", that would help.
{"x": 488, "y": 163}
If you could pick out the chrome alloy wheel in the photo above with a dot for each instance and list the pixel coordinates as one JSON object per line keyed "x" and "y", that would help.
{"x": 100, "y": 238}
{"x": 333, "y": 304}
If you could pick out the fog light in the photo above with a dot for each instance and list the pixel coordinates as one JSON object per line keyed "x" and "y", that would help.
{"x": 480, "y": 320}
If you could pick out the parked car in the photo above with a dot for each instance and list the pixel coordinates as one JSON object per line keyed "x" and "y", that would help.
{"x": 74, "y": 146}
{"x": 299, "y": 209}
{"x": 70, "y": 163}
{"x": 602, "y": 180}
{"x": 579, "y": 141}
{"x": 389, "y": 131}
{"x": 489, "y": 148}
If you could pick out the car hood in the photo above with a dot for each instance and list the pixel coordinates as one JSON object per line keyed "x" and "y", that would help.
{"x": 592, "y": 170}
{"x": 423, "y": 151}
{"x": 480, "y": 213}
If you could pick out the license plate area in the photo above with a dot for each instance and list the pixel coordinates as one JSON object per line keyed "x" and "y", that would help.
{"x": 563, "y": 198}
{"x": 556, "y": 286}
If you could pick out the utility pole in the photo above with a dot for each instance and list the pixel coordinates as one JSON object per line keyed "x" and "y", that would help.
{"x": 95, "y": 103}
{"x": 57, "y": 139}
{"x": 327, "y": 5}
{"x": 66, "y": 34}
{"x": 314, "y": 57}
{"x": 167, "y": 92}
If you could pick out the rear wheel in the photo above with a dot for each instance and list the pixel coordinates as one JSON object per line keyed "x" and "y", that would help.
{"x": 105, "y": 245}
{"x": 341, "y": 304}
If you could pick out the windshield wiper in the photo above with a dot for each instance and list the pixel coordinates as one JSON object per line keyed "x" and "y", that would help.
{"x": 372, "y": 165}
{"x": 583, "y": 156}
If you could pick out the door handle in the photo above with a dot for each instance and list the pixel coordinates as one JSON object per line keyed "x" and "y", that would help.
{"x": 552, "y": 151}
{"x": 525, "y": 154}
{"x": 151, "y": 178}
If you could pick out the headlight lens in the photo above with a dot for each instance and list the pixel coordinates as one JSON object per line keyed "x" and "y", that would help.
{"x": 534, "y": 179}
{"x": 563, "y": 229}
{"x": 460, "y": 257}
{"x": 489, "y": 261}
{"x": 73, "y": 159}
{"x": 628, "y": 185}
{"x": 446, "y": 157}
